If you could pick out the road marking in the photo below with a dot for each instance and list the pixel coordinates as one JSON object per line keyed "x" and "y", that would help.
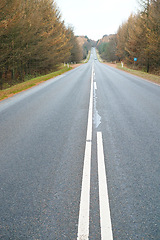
{"x": 96, "y": 116}
{"x": 95, "y": 85}
{"x": 105, "y": 218}
{"x": 83, "y": 224}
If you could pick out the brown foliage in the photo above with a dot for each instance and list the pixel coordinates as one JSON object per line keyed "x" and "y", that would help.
{"x": 33, "y": 39}
{"x": 140, "y": 37}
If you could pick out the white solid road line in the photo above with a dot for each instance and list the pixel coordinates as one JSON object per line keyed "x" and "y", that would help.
{"x": 83, "y": 224}
{"x": 105, "y": 219}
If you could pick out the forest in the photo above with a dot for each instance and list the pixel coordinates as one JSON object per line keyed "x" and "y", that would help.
{"x": 137, "y": 39}
{"x": 33, "y": 40}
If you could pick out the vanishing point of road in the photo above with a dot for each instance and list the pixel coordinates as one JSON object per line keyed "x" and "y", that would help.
{"x": 80, "y": 158}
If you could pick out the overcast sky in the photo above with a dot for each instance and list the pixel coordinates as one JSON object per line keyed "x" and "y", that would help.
{"x": 96, "y": 18}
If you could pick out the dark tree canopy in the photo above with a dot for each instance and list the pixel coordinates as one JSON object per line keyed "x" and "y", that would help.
{"x": 33, "y": 38}
{"x": 138, "y": 37}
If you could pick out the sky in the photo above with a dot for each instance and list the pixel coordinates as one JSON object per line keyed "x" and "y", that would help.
{"x": 96, "y": 18}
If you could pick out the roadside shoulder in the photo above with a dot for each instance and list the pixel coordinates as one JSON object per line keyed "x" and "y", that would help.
{"x": 146, "y": 76}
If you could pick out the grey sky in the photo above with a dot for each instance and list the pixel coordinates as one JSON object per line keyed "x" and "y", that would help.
{"x": 96, "y": 18}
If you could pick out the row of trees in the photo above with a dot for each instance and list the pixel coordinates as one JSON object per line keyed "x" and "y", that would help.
{"x": 33, "y": 39}
{"x": 87, "y": 46}
{"x": 139, "y": 38}
{"x": 108, "y": 50}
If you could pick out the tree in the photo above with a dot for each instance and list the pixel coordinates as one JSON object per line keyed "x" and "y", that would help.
{"x": 10, "y": 16}
{"x": 140, "y": 36}
{"x": 122, "y": 39}
{"x": 33, "y": 39}
{"x": 134, "y": 44}
{"x": 153, "y": 33}
{"x": 76, "y": 51}
{"x": 108, "y": 50}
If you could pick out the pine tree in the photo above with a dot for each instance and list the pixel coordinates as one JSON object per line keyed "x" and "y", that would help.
{"x": 153, "y": 34}
{"x": 122, "y": 39}
{"x": 33, "y": 39}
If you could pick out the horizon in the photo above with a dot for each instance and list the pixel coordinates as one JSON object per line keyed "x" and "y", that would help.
{"x": 93, "y": 39}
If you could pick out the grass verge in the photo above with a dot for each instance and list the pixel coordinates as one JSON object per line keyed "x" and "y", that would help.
{"x": 88, "y": 57}
{"x": 30, "y": 83}
{"x": 98, "y": 56}
{"x": 148, "y": 76}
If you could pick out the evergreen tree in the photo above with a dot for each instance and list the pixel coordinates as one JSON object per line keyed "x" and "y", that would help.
{"x": 33, "y": 39}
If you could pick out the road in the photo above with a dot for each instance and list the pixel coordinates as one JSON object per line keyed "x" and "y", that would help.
{"x": 80, "y": 158}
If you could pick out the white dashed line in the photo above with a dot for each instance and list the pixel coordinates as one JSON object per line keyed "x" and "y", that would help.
{"x": 95, "y": 85}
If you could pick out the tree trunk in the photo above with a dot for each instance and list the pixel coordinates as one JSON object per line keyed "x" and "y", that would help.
{"x": 13, "y": 76}
{"x": 1, "y": 80}
{"x": 148, "y": 66}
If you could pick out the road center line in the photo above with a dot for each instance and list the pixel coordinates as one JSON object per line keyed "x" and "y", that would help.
{"x": 105, "y": 218}
{"x": 83, "y": 224}
{"x": 95, "y": 85}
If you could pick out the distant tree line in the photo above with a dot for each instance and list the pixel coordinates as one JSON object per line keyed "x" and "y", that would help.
{"x": 108, "y": 50}
{"x": 33, "y": 39}
{"x": 87, "y": 46}
{"x": 138, "y": 37}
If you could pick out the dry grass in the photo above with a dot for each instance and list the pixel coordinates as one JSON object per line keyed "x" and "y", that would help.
{"x": 30, "y": 83}
{"x": 151, "y": 77}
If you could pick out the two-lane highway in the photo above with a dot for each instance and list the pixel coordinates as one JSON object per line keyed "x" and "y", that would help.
{"x": 80, "y": 158}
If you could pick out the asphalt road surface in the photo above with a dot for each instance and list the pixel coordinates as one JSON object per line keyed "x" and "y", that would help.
{"x": 80, "y": 158}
